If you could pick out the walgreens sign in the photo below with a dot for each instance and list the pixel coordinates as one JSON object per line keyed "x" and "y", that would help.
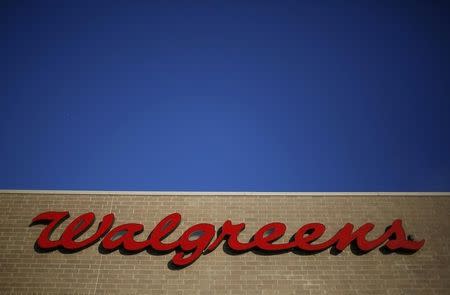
{"x": 201, "y": 239}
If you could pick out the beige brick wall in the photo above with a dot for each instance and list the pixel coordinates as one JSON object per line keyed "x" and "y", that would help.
{"x": 89, "y": 272}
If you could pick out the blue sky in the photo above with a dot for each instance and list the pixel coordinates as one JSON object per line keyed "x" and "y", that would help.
{"x": 231, "y": 96}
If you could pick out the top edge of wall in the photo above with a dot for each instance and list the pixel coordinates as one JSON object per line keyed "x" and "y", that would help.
{"x": 224, "y": 193}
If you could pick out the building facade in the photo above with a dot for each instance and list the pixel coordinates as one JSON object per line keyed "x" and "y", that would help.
{"x": 27, "y": 268}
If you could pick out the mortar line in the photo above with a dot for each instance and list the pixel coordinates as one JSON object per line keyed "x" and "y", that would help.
{"x": 101, "y": 256}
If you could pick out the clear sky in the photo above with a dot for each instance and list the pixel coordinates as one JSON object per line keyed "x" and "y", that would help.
{"x": 231, "y": 96}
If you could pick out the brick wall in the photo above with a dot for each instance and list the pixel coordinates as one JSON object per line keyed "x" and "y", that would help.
{"x": 23, "y": 270}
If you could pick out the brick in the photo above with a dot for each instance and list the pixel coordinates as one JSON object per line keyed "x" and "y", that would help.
{"x": 24, "y": 271}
